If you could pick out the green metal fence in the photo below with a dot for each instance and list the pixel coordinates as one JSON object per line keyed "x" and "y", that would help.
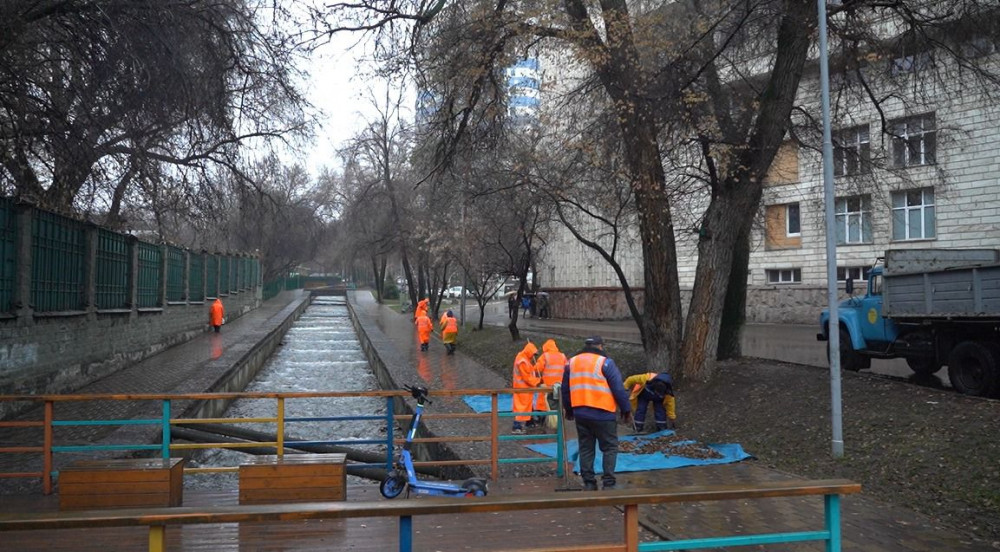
{"x": 212, "y": 276}
{"x": 148, "y": 289}
{"x": 8, "y": 253}
{"x": 196, "y": 278}
{"x": 234, "y": 275}
{"x": 58, "y": 246}
{"x": 112, "y": 270}
{"x": 175, "y": 273}
{"x": 60, "y": 256}
{"x": 224, "y": 276}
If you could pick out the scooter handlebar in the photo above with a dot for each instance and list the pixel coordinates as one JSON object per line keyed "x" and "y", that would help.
{"x": 418, "y": 392}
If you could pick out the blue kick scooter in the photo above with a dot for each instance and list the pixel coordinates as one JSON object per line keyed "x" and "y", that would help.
{"x": 403, "y": 477}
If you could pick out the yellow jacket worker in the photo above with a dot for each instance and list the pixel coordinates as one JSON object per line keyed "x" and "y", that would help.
{"x": 652, "y": 388}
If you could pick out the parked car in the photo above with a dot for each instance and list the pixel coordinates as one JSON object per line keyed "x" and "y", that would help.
{"x": 454, "y": 292}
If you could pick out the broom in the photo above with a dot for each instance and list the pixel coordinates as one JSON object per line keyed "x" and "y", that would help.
{"x": 562, "y": 442}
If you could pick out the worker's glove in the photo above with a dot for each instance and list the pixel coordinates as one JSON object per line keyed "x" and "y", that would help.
{"x": 626, "y": 418}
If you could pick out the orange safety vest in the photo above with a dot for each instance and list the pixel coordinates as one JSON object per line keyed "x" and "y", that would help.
{"x": 587, "y": 385}
{"x": 555, "y": 363}
{"x": 451, "y": 325}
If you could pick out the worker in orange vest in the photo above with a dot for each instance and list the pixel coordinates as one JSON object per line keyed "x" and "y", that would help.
{"x": 424, "y": 329}
{"x": 592, "y": 388}
{"x": 422, "y": 306}
{"x": 550, "y": 366}
{"x": 449, "y": 332}
{"x": 216, "y": 315}
{"x": 524, "y": 377}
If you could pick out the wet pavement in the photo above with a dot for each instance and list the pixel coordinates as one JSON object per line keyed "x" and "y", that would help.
{"x": 794, "y": 343}
{"x": 868, "y": 526}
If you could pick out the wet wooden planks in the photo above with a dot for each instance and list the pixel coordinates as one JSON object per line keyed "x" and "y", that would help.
{"x": 121, "y": 483}
{"x": 479, "y": 532}
{"x": 293, "y": 478}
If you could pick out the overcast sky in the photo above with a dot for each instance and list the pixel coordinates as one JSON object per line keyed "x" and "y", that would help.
{"x": 341, "y": 91}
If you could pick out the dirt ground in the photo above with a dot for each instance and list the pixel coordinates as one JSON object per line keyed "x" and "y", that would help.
{"x": 930, "y": 450}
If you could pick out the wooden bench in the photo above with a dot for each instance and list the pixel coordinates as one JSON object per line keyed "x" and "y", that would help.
{"x": 405, "y": 510}
{"x": 294, "y": 478}
{"x": 121, "y": 483}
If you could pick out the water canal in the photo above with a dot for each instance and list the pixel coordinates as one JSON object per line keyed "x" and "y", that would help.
{"x": 320, "y": 352}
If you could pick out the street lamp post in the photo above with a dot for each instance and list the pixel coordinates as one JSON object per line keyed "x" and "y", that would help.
{"x": 831, "y": 241}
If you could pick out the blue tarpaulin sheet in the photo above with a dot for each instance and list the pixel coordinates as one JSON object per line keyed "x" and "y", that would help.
{"x": 481, "y": 403}
{"x": 628, "y": 461}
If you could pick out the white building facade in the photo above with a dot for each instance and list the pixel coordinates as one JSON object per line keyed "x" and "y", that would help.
{"x": 931, "y": 179}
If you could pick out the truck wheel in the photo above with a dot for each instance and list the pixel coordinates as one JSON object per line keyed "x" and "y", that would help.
{"x": 974, "y": 368}
{"x": 923, "y": 366}
{"x": 850, "y": 359}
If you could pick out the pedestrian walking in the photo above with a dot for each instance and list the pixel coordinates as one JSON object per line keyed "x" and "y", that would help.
{"x": 655, "y": 389}
{"x": 512, "y": 305}
{"x": 424, "y": 328}
{"x": 449, "y": 332}
{"x": 524, "y": 377}
{"x": 526, "y": 305}
{"x": 592, "y": 388}
{"x": 422, "y": 306}
{"x": 217, "y": 315}
{"x": 551, "y": 364}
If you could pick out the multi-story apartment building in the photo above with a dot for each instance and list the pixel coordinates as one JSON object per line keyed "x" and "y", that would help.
{"x": 929, "y": 177}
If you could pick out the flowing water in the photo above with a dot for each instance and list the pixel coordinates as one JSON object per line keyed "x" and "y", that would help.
{"x": 320, "y": 352}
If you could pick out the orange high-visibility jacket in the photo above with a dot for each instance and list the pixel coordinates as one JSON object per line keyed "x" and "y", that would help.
{"x": 449, "y": 329}
{"x": 550, "y": 365}
{"x": 422, "y": 306}
{"x": 424, "y": 328}
{"x": 524, "y": 376}
{"x": 216, "y": 313}
{"x": 587, "y": 385}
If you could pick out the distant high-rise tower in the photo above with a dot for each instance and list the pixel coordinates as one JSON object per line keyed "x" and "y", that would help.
{"x": 523, "y": 83}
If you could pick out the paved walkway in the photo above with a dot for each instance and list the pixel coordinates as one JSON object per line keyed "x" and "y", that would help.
{"x": 868, "y": 526}
{"x": 194, "y": 366}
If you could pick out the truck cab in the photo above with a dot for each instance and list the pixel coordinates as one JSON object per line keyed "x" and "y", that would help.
{"x": 862, "y": 326}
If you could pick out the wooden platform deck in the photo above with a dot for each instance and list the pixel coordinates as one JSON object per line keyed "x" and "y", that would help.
{"x": 472, "y": 532}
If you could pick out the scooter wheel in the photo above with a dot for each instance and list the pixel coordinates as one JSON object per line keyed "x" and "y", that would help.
{"x": 392, "y": 485}
{"x": 474, "y": 487}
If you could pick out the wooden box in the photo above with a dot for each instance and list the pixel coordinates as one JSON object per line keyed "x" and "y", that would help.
{"x": 293, "y": 478}
{"x": 121, "y": 483}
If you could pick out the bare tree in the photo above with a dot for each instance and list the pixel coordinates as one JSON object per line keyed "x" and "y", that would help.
{"x": 98, "y": 96}
{"x": 702, "y": 95}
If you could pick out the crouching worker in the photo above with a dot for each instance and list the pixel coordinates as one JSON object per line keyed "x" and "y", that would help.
{"x": 657, "y": 389}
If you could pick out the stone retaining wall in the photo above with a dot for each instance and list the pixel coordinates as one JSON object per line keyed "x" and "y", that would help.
{"x": 58, "y": 353}
{"x": 791, "y": 304}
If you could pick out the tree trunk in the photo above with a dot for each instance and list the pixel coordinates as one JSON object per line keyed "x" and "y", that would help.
{"x": 730, "y": 214}
{"x": 734, "y": 308}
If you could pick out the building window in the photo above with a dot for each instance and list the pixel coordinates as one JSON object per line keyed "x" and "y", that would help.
{"x": 914, "y": 141}
{"x": 913, "y": 214}
{"x": 784, "y": 275}
{"x": 908, "y": 63}
{"x": 782, "y": 226}
{"x": 792, "y": 227}
{"x": 852, "y": 272}
{"x": 852, "y": 151}
{"x": 854, "y": 223}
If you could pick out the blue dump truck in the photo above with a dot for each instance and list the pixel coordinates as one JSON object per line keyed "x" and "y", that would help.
{"x": 932, "y": 307}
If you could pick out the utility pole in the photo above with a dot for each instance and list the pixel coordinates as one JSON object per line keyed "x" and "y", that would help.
{"x": 831, "y": 238}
